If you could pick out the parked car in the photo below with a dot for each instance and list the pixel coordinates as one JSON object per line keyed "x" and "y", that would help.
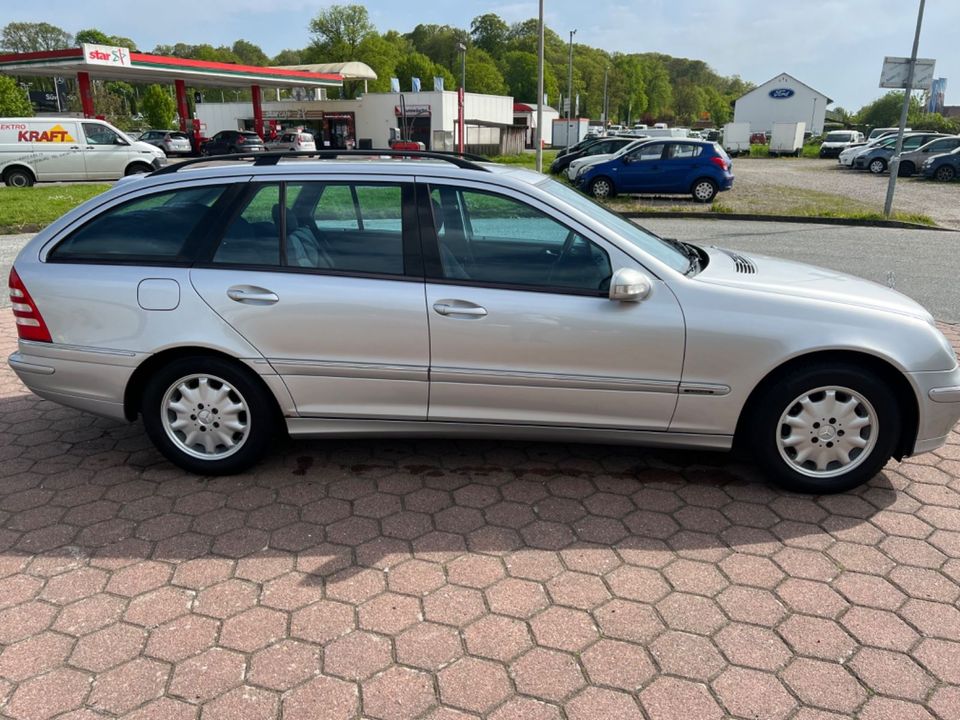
{"x": 697, "y": 167}
{"x": 602, "y": 146}
{"x": 911, "y": 161}
{"x": 942, "y": 167}
{"x": 587, "y": 141}
{"x": 578, "y": 165}
{"x": 50, "y": 149}
{"x": 293, "y": 140}
{"x": 226, "y": 142}
{"x": 880, "y": 132}
{"x": 847, "y": 156}
{"x": 172, "y": 143}
{"x": 836, "y": 141}
{"x": 614, "y": 129}
{"x": 438, "y": 297}
{"x": 759, "y": 138}
{"x": 877, "y": 158}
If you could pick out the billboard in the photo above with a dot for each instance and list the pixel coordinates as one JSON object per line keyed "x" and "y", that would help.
{"x": 896, "y": 69}
{"x": 938, "y": 89}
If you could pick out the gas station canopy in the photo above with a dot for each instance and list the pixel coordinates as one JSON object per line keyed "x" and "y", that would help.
{"x": 119, "y": 63}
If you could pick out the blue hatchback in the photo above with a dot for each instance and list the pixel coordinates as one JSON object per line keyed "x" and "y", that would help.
{"x": 697, "y": 167}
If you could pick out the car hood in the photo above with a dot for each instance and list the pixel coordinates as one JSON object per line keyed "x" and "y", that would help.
{"x": 776, "y": 276}
{"x": 591, "y": 160}
{"x": 145, "y": 147}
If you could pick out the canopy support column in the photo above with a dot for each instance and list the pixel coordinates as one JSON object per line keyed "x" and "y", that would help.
{"x": 183, "y": 110}
{"x": 86, "y": 97}
{"x": 257, "y": 109}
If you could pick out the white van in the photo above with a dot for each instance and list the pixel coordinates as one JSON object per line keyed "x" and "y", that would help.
{"x": 48, "y": 149}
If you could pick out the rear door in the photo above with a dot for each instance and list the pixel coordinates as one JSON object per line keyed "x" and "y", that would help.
{"x": 679, "y": 167}
{"x": 324, "y": 279}
{"x": 57, "y": 150}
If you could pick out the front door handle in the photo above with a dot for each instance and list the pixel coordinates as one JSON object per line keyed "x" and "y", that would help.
{"x": 459, "y": 308}
{"x": 252, "y": 295}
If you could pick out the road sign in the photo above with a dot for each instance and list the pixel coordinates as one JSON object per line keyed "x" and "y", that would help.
{"x": 895, "y": 70}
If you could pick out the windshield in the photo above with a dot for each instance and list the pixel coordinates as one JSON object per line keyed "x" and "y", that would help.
{"x": 837, "y": 137}
{"x": 651, "y": 244}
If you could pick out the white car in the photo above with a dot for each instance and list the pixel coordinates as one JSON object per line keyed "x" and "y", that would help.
{"x": 293, "y": 140}
{"x": 580, "y": 164}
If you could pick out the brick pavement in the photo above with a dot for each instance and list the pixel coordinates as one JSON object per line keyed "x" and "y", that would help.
{"x": 446, "y": 580}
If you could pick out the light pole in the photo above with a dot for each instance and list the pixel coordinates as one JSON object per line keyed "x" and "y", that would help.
{"x": 538, "y": 136}
{"x": 463, "y": 65}
{"x": 570, "y": 79}
{"x": 895, "y": 160}
{"x": 605, "y": 118}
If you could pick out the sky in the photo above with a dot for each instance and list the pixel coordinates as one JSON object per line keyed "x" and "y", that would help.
{"x": 835, "y": 46}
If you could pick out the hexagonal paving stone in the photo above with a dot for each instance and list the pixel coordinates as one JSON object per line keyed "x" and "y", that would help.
{"x": 322, "y": 622}
{"x": 35, "y": 655}
{"x": 159, "y": 606}
{"x": 617, "y": 664}
{"x": 428, "y": 646}
{"x": 416, "y": 577}
{"x": 817, "y": 637}
{"x": 476, "y": 571}
{"x": 940, "y": 657}
{"x": 627, "y": 620}
{"x": 891, "y": 673}
{"x": 752, "y": 646}
{"x": 686, "y": 655}
{"x": 594, "y": 703}
{"x": 497, "y": 637}
{"x": 182, "y": 637}
{"x": 355, "y": 585}
{"x": 669, "y": 698}
{"x": 205, "y": 676}
{"x": 547, "y": 674}
{"x": 879, "y": 628}
{"x": 517, "y": 598}
{"x": 128, "y": 686}
{"x": 226, "y": 599}
{"x": 753, "y": 694}
{"x": 398, "y": 694}
{"x": 357, "y": 655}
{"x": 637, "y": 583}
{"x": 108, "y": 648}
{"x": 563, "y": 629}
{"x": 47, "y": 695}
{"x": 389, "y": 613}
{"x": 243, "y": 703}
{"x": 453, "y": 605}
{"x": 253, "y": 629}
{"x": 323, "y": 698}
{"x": 284, "y": 665}
{"x": 475, "y": 685}
{"x": 824, "y": 685}
{"x": 578, "y": 590}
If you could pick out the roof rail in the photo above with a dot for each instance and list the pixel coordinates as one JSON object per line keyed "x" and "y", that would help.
{"x": 461, "y": 160}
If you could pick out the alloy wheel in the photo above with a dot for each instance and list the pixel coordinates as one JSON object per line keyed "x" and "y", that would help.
{"x": 205, "y": 417}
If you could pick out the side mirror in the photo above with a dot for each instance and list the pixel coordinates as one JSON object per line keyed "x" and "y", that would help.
{"x": 120, "y": 141}
{"x": 629, "y": 285}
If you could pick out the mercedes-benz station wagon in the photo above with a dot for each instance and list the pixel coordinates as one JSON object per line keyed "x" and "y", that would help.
{"x": 437, "y": 296}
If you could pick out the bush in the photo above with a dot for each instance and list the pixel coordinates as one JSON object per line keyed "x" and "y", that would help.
{"x": 158, "y": 107}
{"x": 14, "y": 102}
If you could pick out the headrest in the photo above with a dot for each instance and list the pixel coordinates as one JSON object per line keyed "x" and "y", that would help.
{"x": 292, "y": 222}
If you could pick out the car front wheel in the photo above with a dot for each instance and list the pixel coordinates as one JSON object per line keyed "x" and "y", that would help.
{"x": 824, "y": 429}
{"x": 704, "y": 190}
{"x": 877, "y": 166}
{"x": 602, "y": 189}
{"x": 208, "y": 415}
{"x": 18, "y": 178}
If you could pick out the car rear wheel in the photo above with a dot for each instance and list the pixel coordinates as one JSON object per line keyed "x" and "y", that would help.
{"x": 944, "y": 173}
{"x": 906, "y": 169}
{"x": 602, "y": 189}
{"x": 824, "y": 429}
{"x": 18, "y": 178}
{"x": 208, "y": 415}
{"x": 704, "y": 190}
{"x": 877, "y": 166}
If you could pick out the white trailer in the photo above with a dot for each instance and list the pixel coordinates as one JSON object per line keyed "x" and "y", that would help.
{"x": 736, "y": 138}
{"x": 569, "y": 132}
{"x": 787, "y": 138}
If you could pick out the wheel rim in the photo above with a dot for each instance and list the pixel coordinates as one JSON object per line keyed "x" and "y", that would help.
{"x": 205, "y": 417}
{"x": 601, "y": 189}
{"x": 876, "y": 167}
{"x": 18, "y": 180}
{"x": 827, "y": 432}
{"x": 945, "y": 174}
{"x": 703, "y": 191}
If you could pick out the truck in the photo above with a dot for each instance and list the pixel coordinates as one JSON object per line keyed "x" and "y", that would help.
{"x": 569, "y": 132}
{"x": 736, "y": 138}
{"x": 787, "y": 139}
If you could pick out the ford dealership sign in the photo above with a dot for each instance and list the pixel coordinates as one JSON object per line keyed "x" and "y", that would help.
{"x": 782, "y": 93}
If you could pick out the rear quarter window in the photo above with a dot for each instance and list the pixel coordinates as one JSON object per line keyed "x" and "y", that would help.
{"x": 152, "y": 228}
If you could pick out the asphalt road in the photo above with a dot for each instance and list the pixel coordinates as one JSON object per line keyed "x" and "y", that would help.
{"x": 924, "y": 264}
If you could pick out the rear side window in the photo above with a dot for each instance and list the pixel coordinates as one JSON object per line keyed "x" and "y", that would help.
{"x": 154, "y": 228}
{"x": 682, "y": 150}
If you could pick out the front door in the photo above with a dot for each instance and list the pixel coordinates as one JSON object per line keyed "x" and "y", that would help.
{"x": 641, "y": 168}
{"x": 320, "y": 278}
{"x": 521, "y": 327}
{"x": 106, "y": 154}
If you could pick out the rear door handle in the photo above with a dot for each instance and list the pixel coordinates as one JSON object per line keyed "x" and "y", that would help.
{"x": 459, "y": 308}
{"x": 252, "y": 295}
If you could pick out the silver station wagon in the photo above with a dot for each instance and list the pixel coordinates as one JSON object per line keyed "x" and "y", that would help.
{"x": 436, "y": 296}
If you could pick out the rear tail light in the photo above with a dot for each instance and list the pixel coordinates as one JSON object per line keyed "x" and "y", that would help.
{"x": 30, "y": 324}
{"x": 720, "y": 162}
{"x": 241, "y": 139}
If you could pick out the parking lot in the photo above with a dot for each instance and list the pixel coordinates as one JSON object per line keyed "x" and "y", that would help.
{"x": 460, "y": 580}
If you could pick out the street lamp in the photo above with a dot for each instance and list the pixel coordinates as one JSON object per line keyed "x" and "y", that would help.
{"x": 570, "y": 78}
{"x": 539, "y": 133}
{"x": 463, "y": 65}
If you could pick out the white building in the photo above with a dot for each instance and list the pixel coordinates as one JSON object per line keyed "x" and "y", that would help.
{"x": 782, "y": 99}
{"x": 525, "y": 115}
{"x": 430, "y": 118}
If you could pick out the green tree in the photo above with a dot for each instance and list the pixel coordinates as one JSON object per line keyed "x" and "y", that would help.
{"x": 520, "y": 73}
{"x": 420, "y": 66}
{"x": 22, "y": 37}
{"x": 250, "y": 54}
{"x": 158, "y": 106}
{"x": 689, "y": 102}
{"x": 483, "y": 75}
{"x": 98, "y": 37}
{"x": 440, "y": 43}
{"x": 885, "y": 111}
{"x": 658, "y": 88}
{"x": 13, "y": 100}
{"x": 339, "y": 30}
{"x": 489, "y": 32}
{"x": 287, "y": 57}
{"x": 718, "y": 105}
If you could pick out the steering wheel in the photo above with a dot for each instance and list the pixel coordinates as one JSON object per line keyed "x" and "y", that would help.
{"x": 564, "y": 253}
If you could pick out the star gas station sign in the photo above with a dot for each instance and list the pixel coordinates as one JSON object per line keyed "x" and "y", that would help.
{"x": 106, "y": 55}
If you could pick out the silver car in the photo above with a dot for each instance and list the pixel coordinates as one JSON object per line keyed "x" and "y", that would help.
{"x": 172, "y": 143}
{"x": 434, "y": 296}
{"x": 911, "y": 162}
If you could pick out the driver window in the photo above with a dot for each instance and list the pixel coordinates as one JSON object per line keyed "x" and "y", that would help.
{"x": 99, "y": 134}
{"x": 493, "y": 239}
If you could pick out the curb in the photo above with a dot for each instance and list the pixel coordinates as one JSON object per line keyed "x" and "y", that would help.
{"x": 851, "y": 222}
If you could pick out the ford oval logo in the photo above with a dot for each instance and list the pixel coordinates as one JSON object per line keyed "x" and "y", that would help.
{"x": 782, "y": 93}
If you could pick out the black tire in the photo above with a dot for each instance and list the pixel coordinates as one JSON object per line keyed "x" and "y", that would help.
{"x": 18, "y": 178}
{"x": 138, "y": 169}
{"x": 603, "y": 188}
{"x": 260, "y": 418}
{"x": 704, "y": 190}
{"x": 906, "y": 169}
{"x": 945, "y": 173}
{"x": 762, "y": 433}
{"x": 877, "y": 166}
